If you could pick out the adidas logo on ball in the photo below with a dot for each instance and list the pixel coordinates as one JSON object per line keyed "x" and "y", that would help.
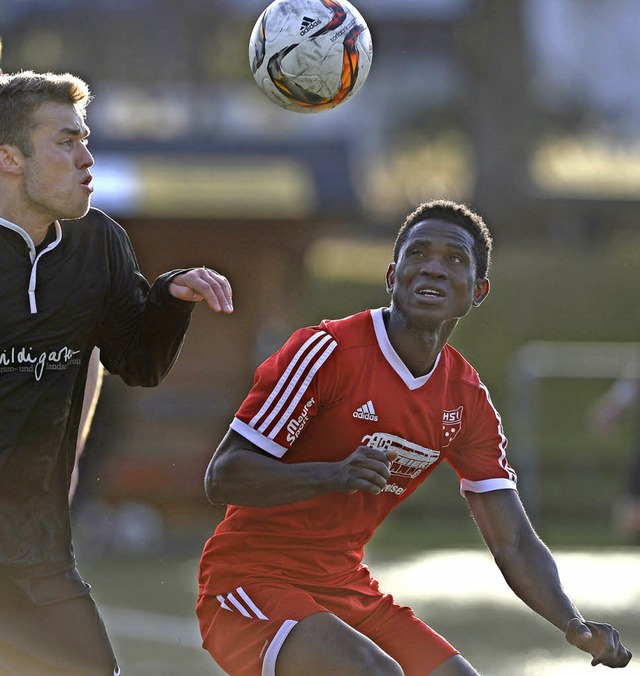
{"x": 308, "y": 24}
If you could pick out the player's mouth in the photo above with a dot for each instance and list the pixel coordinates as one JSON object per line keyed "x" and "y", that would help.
{"x": 87, "y": 183}
{"x": 430, "y": 293}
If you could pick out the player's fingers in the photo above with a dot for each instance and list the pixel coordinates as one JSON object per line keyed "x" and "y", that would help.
{"x": 625, "y": 657}
{"x": 383, "y": 456}
{"x": 617, "y": 656}
{"x": 203, "y": 284}
{"x": 216, "y": 291}
{"x": 377, "y": 474}
{"x": 373, "y": 479}
{"x": 373, "y": 486}
{"x": 222, "y": 289}
{"x": 366, "y": 475}
{"x": 611, "y": 652}
{"x": 379, "y": 464}
{"x": 621, "y": 658}
{"x": 217, "y": 300}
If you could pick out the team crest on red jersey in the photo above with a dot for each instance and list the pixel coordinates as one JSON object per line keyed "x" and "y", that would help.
{"x": 451, "y": 424}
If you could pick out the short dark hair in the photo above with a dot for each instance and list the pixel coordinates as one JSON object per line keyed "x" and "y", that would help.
{"x": 451, "y": 212}
{"x": 23, "y": 92}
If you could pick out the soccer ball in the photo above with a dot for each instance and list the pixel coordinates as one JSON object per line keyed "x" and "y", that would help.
{"x": 310, "y": 55}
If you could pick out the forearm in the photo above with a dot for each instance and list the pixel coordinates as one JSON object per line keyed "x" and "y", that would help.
{"x": 532, "y": 574}
{"x": 249, "y": 479}
{"x": 524, "y": 560}
{"x": 92, "y": 390}
{"x": 529, "y": 569}
{"x": 91, "y": 395}
{"x": 141, "y": 343}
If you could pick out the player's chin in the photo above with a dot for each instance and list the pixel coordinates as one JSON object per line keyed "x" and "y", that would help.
{"x": 77, "y": 210}
{"x": 426, "y": 315}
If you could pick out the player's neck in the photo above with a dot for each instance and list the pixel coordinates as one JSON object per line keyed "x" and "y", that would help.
{"x": 418, "y": 347}
{"x": 35, "y": 225}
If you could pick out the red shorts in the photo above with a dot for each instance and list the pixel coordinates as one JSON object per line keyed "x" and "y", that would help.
{"x": 244, "y": 629}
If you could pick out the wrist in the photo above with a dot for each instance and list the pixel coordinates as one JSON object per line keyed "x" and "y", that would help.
{"x": 572, "y": 622}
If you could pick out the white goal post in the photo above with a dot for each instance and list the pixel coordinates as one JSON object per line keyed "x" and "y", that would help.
{"x": 537, "y": 361}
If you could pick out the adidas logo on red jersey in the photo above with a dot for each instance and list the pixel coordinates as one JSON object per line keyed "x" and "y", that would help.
{"x": 366, "y": 412}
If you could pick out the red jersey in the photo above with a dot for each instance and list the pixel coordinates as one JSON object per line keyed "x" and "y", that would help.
{"x": 328, "y": 390}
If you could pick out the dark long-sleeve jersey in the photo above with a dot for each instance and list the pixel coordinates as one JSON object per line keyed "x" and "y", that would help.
{"x": 81, "y": 288}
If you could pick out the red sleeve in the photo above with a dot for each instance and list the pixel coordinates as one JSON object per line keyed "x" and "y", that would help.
{"x": 284, "y": 396}
{"x": 478, "y": 454}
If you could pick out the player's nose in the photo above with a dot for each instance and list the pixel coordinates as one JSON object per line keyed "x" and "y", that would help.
{"x": 433, "y": 266}
{"x": 85, "y": 158}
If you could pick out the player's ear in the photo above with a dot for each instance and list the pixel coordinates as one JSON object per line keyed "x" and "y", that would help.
{"x": 10, "y": 159}
{"x": 481, "y": 291}
{"x": 390, "y": 277}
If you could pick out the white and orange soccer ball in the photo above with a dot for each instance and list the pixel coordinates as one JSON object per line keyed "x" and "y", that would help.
{"x": 310, "y": 55}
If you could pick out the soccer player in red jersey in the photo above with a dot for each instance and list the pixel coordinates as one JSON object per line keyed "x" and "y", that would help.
{"x": 343, "y": 423}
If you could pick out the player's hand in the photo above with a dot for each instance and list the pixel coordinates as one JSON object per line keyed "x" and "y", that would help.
{"x": 366, "y": 470}
{"x": 203, "y": 284}
{"x": 602, "y": 641}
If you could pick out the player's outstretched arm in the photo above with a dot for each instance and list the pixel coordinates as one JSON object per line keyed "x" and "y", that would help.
{"x": 531, "y": 572}
{"x": 203, "y": 284}
{"x": 241, "y": 474}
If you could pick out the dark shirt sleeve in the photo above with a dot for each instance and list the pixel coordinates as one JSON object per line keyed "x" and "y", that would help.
{"x": 143, "y": 327}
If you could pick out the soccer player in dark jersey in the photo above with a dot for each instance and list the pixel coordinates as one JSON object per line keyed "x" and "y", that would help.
{"x": 70, "y": 284}
{"x": 343, "y": 423}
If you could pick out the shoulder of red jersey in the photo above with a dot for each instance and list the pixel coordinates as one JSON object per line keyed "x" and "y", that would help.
{"x": 352, "y": 331}
{"x": 286, "y": 391}
{"x": 459, "y": 369}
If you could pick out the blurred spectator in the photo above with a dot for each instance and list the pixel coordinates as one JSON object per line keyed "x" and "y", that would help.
{"x": 623, "y": 396}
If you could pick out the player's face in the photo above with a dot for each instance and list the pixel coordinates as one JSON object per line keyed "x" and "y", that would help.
{"x": 434, "y": 279}
{"x": 56, "y": 176}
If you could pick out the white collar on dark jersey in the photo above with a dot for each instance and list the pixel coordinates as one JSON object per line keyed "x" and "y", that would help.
{"x": 392, "y": 357}
{"x": 34, "y": 255}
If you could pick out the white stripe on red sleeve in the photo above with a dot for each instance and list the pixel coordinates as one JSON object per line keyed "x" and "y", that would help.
{"x": 293, "y": 384}
{"x": 284, "y": 378}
